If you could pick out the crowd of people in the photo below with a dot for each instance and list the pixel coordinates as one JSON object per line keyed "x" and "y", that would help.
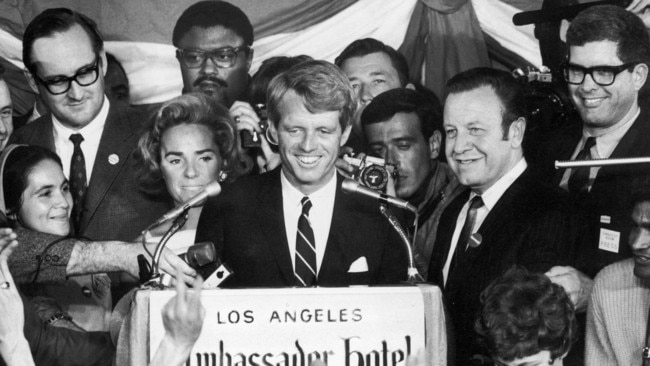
{"x": 536, "y": 265}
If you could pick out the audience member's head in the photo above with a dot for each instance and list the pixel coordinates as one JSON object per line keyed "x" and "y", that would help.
{"x": 191, "y": 142}
{"x": 213, "y": 41}
{"x": 6, "y": 111}
{"x": 484, "y": 122}
{"x": 117, "y": 83}
{"x": 639, "y": 239}
{"x": 526, "y": 319}
{"x": 372, "y": 68}
{"x": 36, "y": 193}
{"x": 609, "y": 52}
{"x": 270, "y": 68}
{"x": 310, "y": 108}
{"x": 404, "y": 127}
{"x": 66, "y": 63}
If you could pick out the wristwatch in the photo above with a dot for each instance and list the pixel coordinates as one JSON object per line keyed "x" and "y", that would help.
{"x": 58, "y": 316}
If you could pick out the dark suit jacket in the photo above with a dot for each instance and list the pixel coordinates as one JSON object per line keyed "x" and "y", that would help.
{"x": 246, "y": 223}
{"x": 610, "y": 193}
{"x": 114, "y": 208}
{"x": 532, "y": 225}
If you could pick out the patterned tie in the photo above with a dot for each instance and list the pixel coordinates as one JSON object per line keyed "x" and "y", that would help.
{"x": 580, "y": 176}
{"x": 78, "y": 180}
{"x": 466, "y": 232}
{"x": 305, "y": 270}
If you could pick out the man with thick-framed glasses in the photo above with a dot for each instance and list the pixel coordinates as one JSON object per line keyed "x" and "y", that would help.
{"x": 213, "y": 41}
{"x": 606, "y": 67}
{"x": 65, "y": 63}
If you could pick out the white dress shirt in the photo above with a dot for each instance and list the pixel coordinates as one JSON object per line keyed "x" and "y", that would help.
{"x": 604, "y": 147}
{"x": 92, "y": 134}
{"x": 320, "y": 215}
{"x": 490, "y": 198}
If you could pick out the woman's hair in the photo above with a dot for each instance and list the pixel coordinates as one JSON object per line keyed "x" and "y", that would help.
{"x": 190, "y": 109}
{"x": 17, "y": 164}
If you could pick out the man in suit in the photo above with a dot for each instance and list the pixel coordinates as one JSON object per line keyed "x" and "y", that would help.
{"x": 506, "y": 217}
{"x": 293, "y": 226}
{"x": 66, "y": 64}
{"x": 607, "y": 66}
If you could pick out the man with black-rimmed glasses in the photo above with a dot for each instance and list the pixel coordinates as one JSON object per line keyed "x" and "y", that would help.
{"x": 65, "y": 63}
{"x": 606, "y": 67}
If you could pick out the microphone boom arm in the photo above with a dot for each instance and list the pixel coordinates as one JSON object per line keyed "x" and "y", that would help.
{"x": 413, "y": 274}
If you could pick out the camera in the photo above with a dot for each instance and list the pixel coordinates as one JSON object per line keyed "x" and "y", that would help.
{"x": 370, "y": 171}
{"x": 253, "y": 140}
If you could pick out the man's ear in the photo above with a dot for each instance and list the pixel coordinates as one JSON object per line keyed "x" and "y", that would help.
{"x": 273, "y": 130}
{"x": 640, "y": 75}
{"x": 249, "y": 59}
{"x": 516, "y": 132}
{"x": 102, "y": 56}
{"x": 30, "y": 80}
{"x": 435, "y": 143}
{"x": 345, "y": 135}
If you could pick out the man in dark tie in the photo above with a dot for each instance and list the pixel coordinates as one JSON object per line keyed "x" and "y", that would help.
{"x": 606, "y": 69}
{"x": 505, "y": 217}
{"x": 65, "y": 63}
{"x": 294, "y": 226}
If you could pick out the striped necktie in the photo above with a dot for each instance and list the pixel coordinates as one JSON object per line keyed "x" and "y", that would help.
{"x": 305, "y": 267}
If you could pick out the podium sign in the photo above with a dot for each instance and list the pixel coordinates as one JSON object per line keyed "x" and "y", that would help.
{"x": 358, "y": 326}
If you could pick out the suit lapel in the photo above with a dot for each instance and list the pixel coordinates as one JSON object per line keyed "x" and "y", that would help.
{"x": 271, "y": 219}
{"x": 112, "y": 155}
{"x": 341, "y": 223}
{"x": 44, "y": 136}
{"x": 502, "y": 214}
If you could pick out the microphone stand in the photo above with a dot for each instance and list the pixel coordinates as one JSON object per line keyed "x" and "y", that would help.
{"x": 413, "y": 274}
{"x": 157, "y": 279}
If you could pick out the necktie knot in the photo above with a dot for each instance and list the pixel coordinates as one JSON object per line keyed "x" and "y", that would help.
{"x": 76, "y": 139}
{"x": 306, "y": 205}
{"x": 476, "y": 203}
{"x": 591, "y": 141}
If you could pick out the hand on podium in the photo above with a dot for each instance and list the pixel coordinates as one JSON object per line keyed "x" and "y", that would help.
{"x": 183, "y": 319}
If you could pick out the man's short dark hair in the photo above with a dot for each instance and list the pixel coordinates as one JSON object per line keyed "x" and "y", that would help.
{"x": 208, "y": 14}
{"x": 402, "y": 100}
{"x": 509, "y": 91}
{"x": 524, "y": 313}
{"x": 611, "y": 23}
{"x": 57, "y": 20}
{"x": 366, "y": 46}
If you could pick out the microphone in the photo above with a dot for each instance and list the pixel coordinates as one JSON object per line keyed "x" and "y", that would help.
{"x": 210, "y": 190}
{"x": 351, "y": 186}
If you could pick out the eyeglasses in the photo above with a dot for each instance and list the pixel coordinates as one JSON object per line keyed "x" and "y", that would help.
{"x": 602, "y": 75}
{"x": 224, "y": 58}
{"x": 60, "y": 84}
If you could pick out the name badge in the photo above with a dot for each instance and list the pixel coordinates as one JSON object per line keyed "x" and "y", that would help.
{"x": 609, "y": 240}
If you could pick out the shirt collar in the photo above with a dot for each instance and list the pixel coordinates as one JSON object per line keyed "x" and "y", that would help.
{"x": 607, "y": 140}
{"x": 292, "y": 194}
{"x": 492, "y": 195}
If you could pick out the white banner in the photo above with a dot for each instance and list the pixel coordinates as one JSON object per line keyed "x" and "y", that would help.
{"x": 357, "y": 326}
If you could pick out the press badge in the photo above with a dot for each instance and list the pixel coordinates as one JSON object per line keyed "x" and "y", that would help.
{"x": 609, "y": 240}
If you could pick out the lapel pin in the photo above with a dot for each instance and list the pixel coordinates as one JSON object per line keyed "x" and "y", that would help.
{"x": 113, "y": 159}
{"x": 475, "y": 240}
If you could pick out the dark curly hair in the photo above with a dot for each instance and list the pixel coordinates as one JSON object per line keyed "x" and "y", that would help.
{"x": 192, "y": 108}
{"x": 524, "y": 313}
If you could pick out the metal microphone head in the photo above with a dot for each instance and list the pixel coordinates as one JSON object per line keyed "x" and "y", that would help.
{"x": 212, "y": 188}
{"x": 349, "y": 185}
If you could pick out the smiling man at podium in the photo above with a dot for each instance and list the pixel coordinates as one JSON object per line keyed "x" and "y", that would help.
{"x": 294, "y": 226}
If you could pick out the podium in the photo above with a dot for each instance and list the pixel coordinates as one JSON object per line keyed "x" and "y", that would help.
{"x": 351, "y": 326}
